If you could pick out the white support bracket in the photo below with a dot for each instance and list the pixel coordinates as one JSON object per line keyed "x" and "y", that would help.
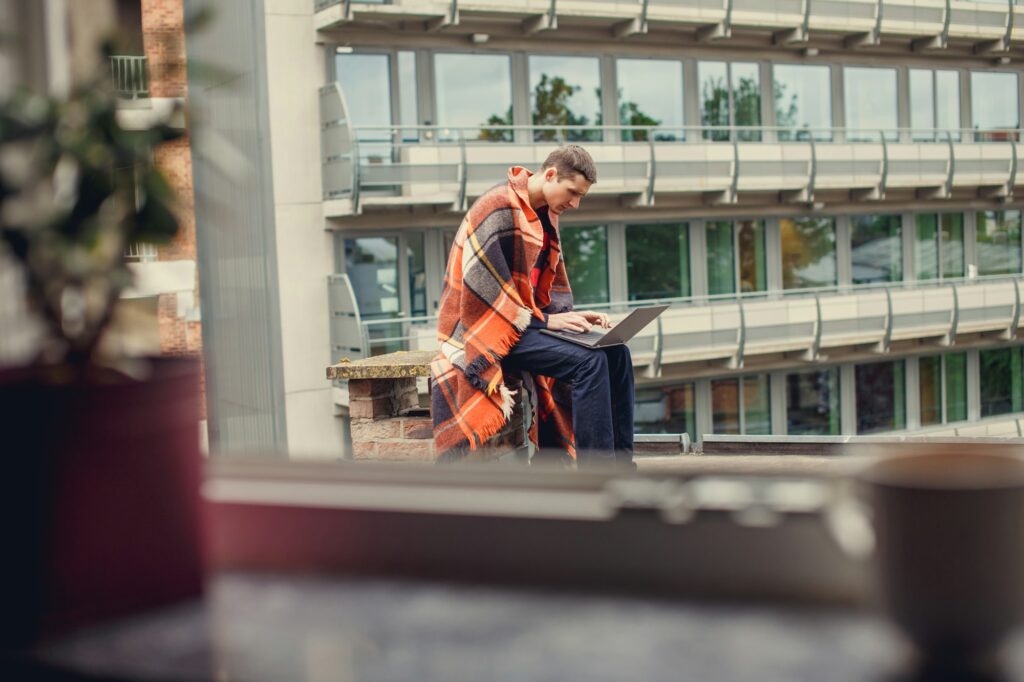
{"x": 544, "y": 22}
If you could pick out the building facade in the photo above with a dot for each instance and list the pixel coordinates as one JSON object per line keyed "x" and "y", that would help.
{"x": 825, "y": 192}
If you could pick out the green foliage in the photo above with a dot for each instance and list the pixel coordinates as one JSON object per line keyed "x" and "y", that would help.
{"x": 75, "y": 190}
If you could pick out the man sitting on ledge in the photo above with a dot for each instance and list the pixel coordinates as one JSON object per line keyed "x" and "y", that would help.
{"x": 506, "y": 281}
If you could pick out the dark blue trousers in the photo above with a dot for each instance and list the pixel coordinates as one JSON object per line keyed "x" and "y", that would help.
{"x": 602, "y": 391}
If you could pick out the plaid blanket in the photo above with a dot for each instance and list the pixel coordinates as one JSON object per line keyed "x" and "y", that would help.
{"x": 487, "y": 302}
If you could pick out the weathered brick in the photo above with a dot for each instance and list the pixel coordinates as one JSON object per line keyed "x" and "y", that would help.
{"x": 406, "y": 450}
{"x": 364, "y": 430}
{"x": 366, "y": 450}
{"x": 371, "y": 408}
{"x": 371, "y": 388}
{"x": 417, "y": 427}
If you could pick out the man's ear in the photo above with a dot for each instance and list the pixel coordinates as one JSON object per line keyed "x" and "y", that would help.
{"x": 551, "y": 174}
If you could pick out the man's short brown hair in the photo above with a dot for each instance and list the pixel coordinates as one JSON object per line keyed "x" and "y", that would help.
{"x": 570, "y": 160}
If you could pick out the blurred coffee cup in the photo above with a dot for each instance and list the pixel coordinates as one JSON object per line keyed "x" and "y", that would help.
{"x": 948, "y": 559}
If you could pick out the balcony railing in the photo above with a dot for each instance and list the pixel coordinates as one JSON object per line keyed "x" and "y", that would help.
{"x": 131, "y": 80}
{"x": 731, "y": 326}
{"x": 929, "y": 24}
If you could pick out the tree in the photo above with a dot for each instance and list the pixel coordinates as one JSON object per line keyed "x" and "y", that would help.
{"x": 500, "y": 135}
{"x": 551, "y": 106}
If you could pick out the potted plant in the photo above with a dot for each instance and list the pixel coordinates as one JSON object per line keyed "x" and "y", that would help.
{"x": 101, "y": 506}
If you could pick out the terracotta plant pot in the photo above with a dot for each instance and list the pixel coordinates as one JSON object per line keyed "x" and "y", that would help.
{"x": 101, "y": 503}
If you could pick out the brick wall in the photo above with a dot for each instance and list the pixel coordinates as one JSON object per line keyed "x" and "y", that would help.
{"x": 163, "y": 39}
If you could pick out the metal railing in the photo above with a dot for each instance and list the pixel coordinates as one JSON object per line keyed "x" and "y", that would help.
{"x": 131, "y": 79}
{"x": 415, "y": 330}
{"x": 139, "y": 252}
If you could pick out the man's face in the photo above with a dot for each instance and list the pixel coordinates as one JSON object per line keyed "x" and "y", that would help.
{"x": 563, "y": 193}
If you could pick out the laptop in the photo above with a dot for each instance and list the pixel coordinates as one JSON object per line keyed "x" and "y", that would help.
{"x": 619, "y": 334}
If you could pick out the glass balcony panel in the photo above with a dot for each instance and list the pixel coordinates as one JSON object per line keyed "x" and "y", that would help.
{"x": 473, "y": 91}
{"x": 994, "y": 105}
{"x": 803, "y": 101}
{"x": 565, "y": 92}
{"x": 585, "y": 250}
{"x": 877, "y": 249}
{"x": 870, "y": 97}
{"x": 881, "y": 404}
{"x": 812, "y": 403}
{"x": 808, "y": 252}
{"x": 657, "y": 261}
{"x": 999, "y": 242}
{"x": 650, "y": 94}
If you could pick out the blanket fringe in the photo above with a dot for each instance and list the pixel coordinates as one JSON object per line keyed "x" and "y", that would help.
{"x": 522, "y": 320}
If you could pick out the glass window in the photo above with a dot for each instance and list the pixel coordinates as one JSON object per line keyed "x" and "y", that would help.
{"x": 999, "y": 243}
{"x": 417, "y": 264}
{"x": 934, "y": 104}
{"x": 876, "y": 248}
{"x": 955, "y": 368}
{"x": 926, "y": 246}
{"x": 651, "y": 94}
{"x": 994, "y": 104}
{"x": 657, "y": 261}
{"x": 585, "y": 250}
{"x": 669, "y": 409}
{"x": 1002, "y": 381}
{"x": 870, "y": 98}
{"x": 939, "y": 245}
{"x": 808, "y": 252}
{"x": 408, "y": 110}
{"x": 474, "y": 90}
{"x": 812, "y": 403}
{"x": 803, "y": 99}
{"x": 880, "y": 388}
{"x": 372, "y": 265}
{"x": 942, "y": 384}
{"x": 753, "y": 270}
{"x": 730, "y": 94}
{"x": 565, "y": 91}
{"x": 366, "y": 83}
{"x": 721, "y": 258}
{"x": 725, "y": 406}
{"x": 929, "y": 382}
{"x": 952, "y": 244}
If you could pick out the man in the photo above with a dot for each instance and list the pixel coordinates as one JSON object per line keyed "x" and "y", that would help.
{"x": 505, "y": 282}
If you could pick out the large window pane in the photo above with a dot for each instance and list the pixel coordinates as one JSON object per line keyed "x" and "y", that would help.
{"x": 803, "y": 99}
{"x": 474, "y": 90}
{"x": 585, "y": 250}
{"x": 753, "y": 269}
{"x": 366, "y": 83}
{"x": 721, "y": 258}
{"x": 417, "y": 264}
{"x": 372, "y": 265}
{"x": 1002, "y": 381}
{"x": 999, "y": 243}
{"x": 757, "y": 414}
{"x": 994, "y": 104}
{"x": 651, "y": 94}
{"x": 730, "y": 94}
{"x": 666, "y": 410}
{"x": 934, "y": 104}
{"x": 956, "y": 386}
{"x": 929, "y": 373}
{"x": 880, "y": 388}
{"x": 565, "y": 91}
{"x": 808, "y": 252}
{"x": 657, "y": 261}
{"x": 812, "y": 403}
{"x": 947, "y": 102}
{"x": 746, "y": 98}
{"x": 876, "y": 249}
{"x": 870, "y": 97}
{"x": 408, "y": 109}
{"x": 952, "y": 240}
{"x": 725, "y": 406}
{"x": 926, "y": 246}
{"x": 713, "y": 78}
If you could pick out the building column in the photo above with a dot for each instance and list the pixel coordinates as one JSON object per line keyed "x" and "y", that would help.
{"x": 973, "y": 386}
{"x": 913, "y": 393}
{"x": 777, "y": 400}
{"x": 847, "y": 400}
{"x": 702, "y": 407}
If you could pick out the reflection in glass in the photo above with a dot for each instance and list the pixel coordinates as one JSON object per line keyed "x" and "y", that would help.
{"x": 994, "y": 104}
{"x": 803, "y": 99}
{"x": 749, "y": 394}
{"x": 934, "y": 103}
{"x": 721, "y": 258}
{"x": 725, "y": 406}
{"x": 876, "y": 249}
{"x": 870, "y": 97}
{"x": 565, "y": 91}
{"x": 955, "y": 367}
{"x": 812, "y": 403}
{"x": 952, "y": 240}
{"x": 372, "y": 265}
{"x": 929, "y": 373}
{"x": 746, "y": 99}
{"x": 808, "y": 252}
{"x": 926, "y": 246}
{"x": 474, "y": 90}
{"x": 943, "y": 388}
{"x": 730, "y": 94}
{"x": 417, "y": 265}
{"x": 753, "y": 270}
{"x": 881, "y": 404}
{"x": 408, "y": 110}
{"x": 365, "y": 80}
{"x": 1002, "y": 381}
{"x": 666, "y": 410}
{"x": 757, "y": 412}
{"x": 657, "y": 261}
{"x": 585, "y": 250}
{"x": 650, "y": 94}
{"x": 713, "y": 78}
{"x": 999, "y": 243}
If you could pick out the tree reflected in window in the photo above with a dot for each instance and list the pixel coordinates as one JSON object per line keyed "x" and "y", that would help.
{"x": 808, "y": 252}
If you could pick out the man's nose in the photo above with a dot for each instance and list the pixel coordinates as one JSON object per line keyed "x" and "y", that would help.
{"x": 575, "y": 202}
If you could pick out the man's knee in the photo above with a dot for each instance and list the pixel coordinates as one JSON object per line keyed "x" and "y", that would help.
{"x": 591, "y": 361}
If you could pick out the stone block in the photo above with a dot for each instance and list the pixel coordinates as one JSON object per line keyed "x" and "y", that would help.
{"x": 372, "y": 408}
{"x": 406, "y": 450}
{"x": 364, "y": 451}
{"x": 371, "y": 388}
{"x": 417, "y": 427}
{"x": 364, "y": 430}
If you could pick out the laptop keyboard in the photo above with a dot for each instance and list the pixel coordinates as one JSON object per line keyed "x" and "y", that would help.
{"x": 592, "y": 335}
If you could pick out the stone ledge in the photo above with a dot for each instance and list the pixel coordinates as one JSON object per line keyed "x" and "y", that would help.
{"x": 398, "y": 365}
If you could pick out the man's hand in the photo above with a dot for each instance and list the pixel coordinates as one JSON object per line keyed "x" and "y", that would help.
{"x": 571, "y": 321}
{"x": 598, "y": 319}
